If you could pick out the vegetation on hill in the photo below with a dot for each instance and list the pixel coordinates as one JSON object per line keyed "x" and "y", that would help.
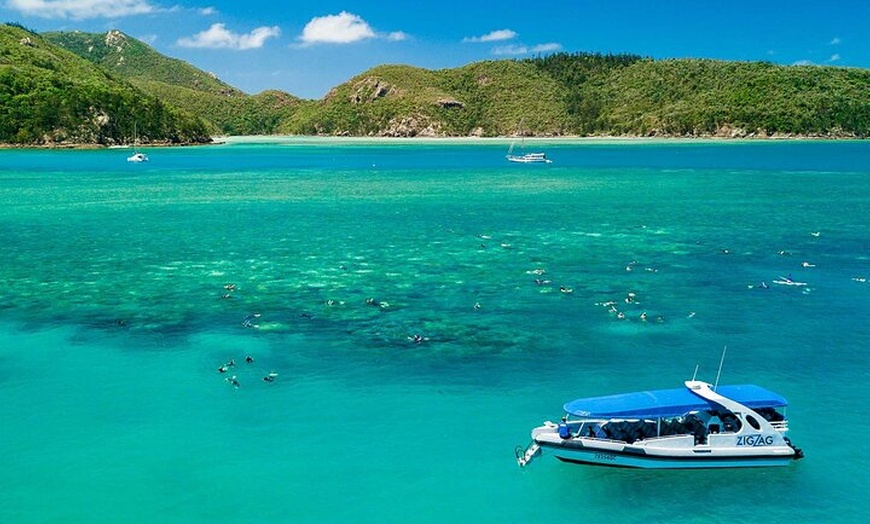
{"x": 51, "y": 96}
{"x": 484, "y": 99}
{"x": 577, "y": 71}
{"x": 593, "y": 94}
{"x": 91, "y": 88}
{"x": 708, "y": 97}
{"x": 227, "y": 110}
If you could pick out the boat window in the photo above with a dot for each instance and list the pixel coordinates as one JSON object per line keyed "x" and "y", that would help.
{"x": 770, "y": 414}
{"x": 730, "y": 423}
{"x": 752, "y": 422}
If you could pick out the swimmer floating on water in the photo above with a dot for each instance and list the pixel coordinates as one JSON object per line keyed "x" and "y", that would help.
{"x": 248, "y": 321}
{"x": 227, "y": 366}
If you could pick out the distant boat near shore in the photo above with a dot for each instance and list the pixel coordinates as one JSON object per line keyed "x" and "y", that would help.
{"x": 525, "y": 158}
{"x": 137, "y": 156}
{"x": 529, "y": 158}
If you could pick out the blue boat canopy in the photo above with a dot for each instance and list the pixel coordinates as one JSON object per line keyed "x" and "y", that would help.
{"x": 669, "y": 402}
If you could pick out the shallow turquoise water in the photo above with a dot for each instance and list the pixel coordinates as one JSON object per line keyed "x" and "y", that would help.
{"x": 115, "y": 318}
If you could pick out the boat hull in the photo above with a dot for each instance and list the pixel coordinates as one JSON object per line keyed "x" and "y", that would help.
{"x": 529, "y": 159}
{"x": 645, "y": 461}
{"x": 137, "y": 157}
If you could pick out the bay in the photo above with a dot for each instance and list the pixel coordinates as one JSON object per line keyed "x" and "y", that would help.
{"x": 126, "y": 287}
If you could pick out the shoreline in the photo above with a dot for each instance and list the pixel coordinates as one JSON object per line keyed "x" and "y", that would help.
{"x": 237, "y": 139}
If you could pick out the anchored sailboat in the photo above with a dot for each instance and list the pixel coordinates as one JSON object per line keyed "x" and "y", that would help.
{"x": 525, "y": 158}
{"x": 137, "y": 156}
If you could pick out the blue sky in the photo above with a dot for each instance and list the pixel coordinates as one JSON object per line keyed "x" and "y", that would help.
{"x": 307, "y": 47}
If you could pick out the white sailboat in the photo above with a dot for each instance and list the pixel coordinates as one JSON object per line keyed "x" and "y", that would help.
{"x": 525, "y": 158}
{"x": 137, "y": 156}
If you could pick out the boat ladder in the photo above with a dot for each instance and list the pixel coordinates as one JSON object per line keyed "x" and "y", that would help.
{"x": 526, "y": 454}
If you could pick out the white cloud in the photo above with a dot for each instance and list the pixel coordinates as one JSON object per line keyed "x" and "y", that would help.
{"x": 520, "y": 49}
{"x": 546, "y": 48}
{"x": 512, "y": 49}
{"x": 834, "y": 57}
{"x": 495, "y": 36}
{"x": 208, "y": 11}
{"x": 835, "y": 41}
{"x": 397, "y": 36}
{"x": 803, "y": 63}
{"x": 81, "y": 9}
{"x": 219, "y": 37}
{"x": 343, "y": 28}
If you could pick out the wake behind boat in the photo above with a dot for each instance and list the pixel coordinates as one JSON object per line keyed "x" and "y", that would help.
{"x": 698, "y": 426}
{"x": 787, "y": 281}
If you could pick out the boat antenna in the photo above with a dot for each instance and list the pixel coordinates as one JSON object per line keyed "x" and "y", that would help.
{"x": 695, "y": 374}
{"x": 721, "y": 361}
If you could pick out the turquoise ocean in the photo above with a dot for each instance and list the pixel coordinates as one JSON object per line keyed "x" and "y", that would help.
{"x": 421, "y": 306}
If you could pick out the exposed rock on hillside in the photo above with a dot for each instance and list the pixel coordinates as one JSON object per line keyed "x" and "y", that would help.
{"x": 370, "y": 89}
{"x": 411, "y": 126}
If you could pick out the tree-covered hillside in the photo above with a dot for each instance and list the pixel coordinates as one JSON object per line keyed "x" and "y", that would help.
{"x": 708, "y": 97}
{"x": 226, "y": 109}
{"x": 92, "y": 88}
{"x": 51, "y": 96}
{"x": 592, "y": 94}
{"x": 485, "y": 99}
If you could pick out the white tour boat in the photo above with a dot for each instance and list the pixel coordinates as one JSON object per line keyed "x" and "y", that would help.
{"x": 699, "y": 426}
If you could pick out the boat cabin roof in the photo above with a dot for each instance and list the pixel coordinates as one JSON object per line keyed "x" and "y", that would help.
{"x": 669, "y": 402}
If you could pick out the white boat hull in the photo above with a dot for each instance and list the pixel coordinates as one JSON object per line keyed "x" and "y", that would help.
{"x": 640, "y": 459}
{"x": 532, "y": 158}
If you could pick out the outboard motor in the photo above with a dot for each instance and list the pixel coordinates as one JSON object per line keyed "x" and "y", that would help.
{"x": 798, "y": 452}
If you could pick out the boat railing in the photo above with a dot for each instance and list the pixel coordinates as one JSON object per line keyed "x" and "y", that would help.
{"x": 780, "y": 425}
{"x": 600, "y": 439}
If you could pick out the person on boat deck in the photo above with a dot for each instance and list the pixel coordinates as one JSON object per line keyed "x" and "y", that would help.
{"x": 564, "y": 432}
{"x": 714, "y": 425}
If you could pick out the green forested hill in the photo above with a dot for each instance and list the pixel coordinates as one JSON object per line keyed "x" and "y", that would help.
{"x": 51, "y": 96}
{"x": 226, "y": 109}
{"x": 133, "y": 59}
{"x": 91, "y": 88}
{"x": 707, "y": 97}
{"x": 484, "y": 98}
{"x": 592, "y": 94}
